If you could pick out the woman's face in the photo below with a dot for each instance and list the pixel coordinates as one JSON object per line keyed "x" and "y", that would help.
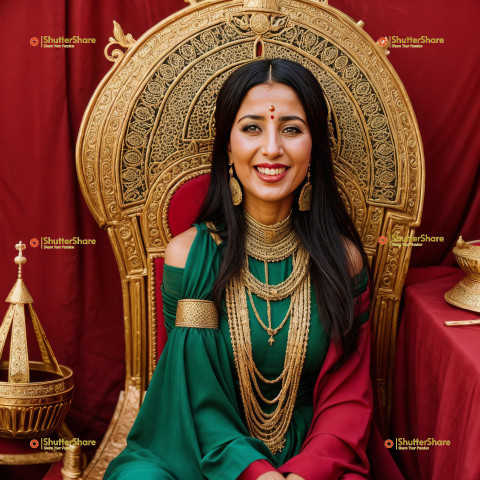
{"x": 270, "y": 146}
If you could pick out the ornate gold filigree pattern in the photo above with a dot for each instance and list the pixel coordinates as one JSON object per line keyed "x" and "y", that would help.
{"x": 194, "y": 313}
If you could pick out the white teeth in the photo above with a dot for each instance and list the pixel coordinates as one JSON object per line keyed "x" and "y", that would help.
{"x": 270, "y": 171}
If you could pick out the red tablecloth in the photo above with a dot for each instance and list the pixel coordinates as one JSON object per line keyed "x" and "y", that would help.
{"x": 436, "y": 391}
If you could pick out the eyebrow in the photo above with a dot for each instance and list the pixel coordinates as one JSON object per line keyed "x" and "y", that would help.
{"x": 286, "y": 118}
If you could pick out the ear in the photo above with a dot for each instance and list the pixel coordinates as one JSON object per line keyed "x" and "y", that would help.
{"x": 230, "y": 156}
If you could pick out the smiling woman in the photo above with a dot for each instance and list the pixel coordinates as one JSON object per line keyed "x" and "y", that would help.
{"x": 265, "y": 374}
{"x": 270, "y": 153}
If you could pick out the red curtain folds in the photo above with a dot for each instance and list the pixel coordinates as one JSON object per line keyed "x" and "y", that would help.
{"x": 44, "y": 93}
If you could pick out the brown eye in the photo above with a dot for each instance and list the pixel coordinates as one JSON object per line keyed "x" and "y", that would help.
{"x": 292, "y": 130}
{"x": 251, "y": 128}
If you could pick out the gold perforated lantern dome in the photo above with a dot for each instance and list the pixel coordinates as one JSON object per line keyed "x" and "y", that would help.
{"x": 466, "y": 294}
{"x": 34, "y": 396}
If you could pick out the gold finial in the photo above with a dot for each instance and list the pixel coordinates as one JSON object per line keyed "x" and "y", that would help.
{"x": 460, "y": 242}
{"x": 261, "y": 5}
{"x": 19, "y": 293}
{"x": 20, "y": 259}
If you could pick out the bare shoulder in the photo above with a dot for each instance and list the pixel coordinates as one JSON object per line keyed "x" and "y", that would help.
{"x": 354, "y": 258}
{"x": 178, "y": 248}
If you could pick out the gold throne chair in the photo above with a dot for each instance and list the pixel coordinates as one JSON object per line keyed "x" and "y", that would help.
{"x": 143, "y": 158}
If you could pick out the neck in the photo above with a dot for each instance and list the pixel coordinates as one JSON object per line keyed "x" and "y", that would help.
{"x": 268, "y": 234}
{"x": 268, "y": 213}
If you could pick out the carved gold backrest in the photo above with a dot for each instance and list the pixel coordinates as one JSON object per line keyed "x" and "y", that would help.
{"x": 148, "y": 130}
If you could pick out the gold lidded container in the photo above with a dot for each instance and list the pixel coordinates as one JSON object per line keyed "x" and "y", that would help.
{"x": 466, "y": 294}
{"x": 34, "y": 396}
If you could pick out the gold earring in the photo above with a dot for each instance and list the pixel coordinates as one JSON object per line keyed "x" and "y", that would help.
{"x": 305, "y": 198}
{"x": 235, "y": 189}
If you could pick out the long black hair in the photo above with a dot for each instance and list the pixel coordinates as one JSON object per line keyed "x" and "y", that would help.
{"x": 323, "y": 229}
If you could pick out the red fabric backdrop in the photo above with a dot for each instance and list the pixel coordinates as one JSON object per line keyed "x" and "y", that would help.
{"x": 44, "y": 93}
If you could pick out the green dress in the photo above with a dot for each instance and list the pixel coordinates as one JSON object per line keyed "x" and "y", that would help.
{"x": 191, "y": 425}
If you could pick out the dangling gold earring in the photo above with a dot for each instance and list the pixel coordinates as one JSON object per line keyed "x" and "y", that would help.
{"x": 235, "y": 189}
{"x": 305, "y": 198}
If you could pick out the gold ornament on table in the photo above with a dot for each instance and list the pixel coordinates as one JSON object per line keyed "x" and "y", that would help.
{"x": 34, "y": 396}
{"x": 466, "y": 294}
{"x": 235, "y": 189}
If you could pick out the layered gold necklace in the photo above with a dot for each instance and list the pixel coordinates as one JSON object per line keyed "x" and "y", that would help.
{"x": 271, "y": 243}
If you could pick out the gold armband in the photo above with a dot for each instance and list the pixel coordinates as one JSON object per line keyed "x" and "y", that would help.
{"x": 196, "y": 314}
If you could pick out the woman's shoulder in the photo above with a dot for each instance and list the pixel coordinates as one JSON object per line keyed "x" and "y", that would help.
{"x": 354, "y": 258}
{"x": 178, "y": 248}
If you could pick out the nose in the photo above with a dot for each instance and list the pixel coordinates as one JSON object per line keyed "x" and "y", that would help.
{"x": 272, "y": 145}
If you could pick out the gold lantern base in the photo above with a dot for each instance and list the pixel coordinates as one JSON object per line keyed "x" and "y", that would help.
{"x": 34, "y": 396}
{"x": 37, "y": 408}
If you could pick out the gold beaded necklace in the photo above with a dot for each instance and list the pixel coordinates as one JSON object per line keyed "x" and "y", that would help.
{"x": 270, "y": 244}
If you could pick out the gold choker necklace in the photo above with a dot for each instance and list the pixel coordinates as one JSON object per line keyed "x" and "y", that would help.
{"x": 268, "y": 233}
{"x": 270, "y": 243}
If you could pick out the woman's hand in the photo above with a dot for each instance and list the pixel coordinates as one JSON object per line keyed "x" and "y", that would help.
{"x": 271, "y": 476}
{"x": 294, "y": 476}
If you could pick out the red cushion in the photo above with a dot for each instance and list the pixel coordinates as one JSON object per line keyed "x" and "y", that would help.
{"x": 182, "y": 212}
{"x": 186, "y": 203}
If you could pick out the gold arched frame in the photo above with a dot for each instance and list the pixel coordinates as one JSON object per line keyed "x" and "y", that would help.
{"x": 128, "y": 179}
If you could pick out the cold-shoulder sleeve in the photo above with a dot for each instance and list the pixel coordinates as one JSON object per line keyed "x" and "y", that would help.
{"x": 189, "y": 425}
{"x": 335, "y": 446}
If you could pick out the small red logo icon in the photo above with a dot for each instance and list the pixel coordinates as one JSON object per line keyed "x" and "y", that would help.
{"x": 34, "y": 443}
{"x": 389, "y": 443}
{"x": 383, "y": 41}
{"x": 382, "y": 240}
{"x": 34, "y": 41}
{"x": 34, "y": 242}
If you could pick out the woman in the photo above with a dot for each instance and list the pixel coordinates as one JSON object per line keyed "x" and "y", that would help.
{"x": 265, "y": 374}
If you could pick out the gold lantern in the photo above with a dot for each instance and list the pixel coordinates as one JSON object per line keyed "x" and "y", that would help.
{"x": 466, "y": 294}
{"x": 34, "y": 396}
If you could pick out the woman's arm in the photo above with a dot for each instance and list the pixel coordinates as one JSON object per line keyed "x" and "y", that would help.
{"x": 176, "y": 255}
{"x": 343, "y": 402}
{"x": 337, "y": 440}
{"x": 190, "y": 421}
